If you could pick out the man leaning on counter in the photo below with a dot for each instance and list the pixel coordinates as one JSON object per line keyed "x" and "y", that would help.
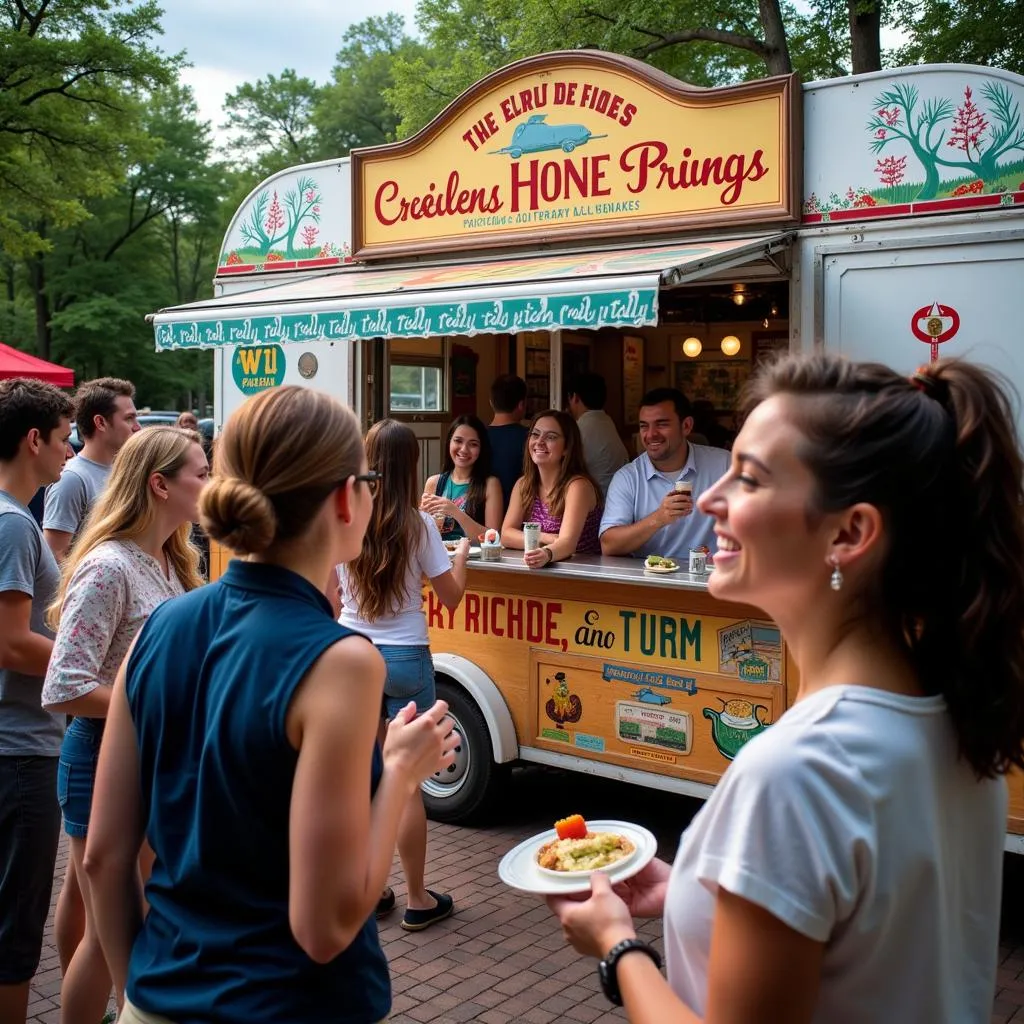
{"x": 643, "y": 513}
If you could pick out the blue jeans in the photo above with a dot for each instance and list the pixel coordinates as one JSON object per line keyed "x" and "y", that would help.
{"x": 76, "y": 773}
{"x": 410, "y": 677}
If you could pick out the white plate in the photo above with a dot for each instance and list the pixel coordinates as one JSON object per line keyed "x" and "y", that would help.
{"x": 519, "y": 869}
{"x": 474, "y": 552}
{"x": 661, "y": 568}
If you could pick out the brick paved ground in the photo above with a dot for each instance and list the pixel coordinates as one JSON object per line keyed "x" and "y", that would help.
{"x": 501, "y": 958}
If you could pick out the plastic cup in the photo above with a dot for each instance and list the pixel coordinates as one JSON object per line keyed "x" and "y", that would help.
{"x": 531, "y": 536}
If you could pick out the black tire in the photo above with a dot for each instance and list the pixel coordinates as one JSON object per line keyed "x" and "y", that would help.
{"x": 462, "y": 791}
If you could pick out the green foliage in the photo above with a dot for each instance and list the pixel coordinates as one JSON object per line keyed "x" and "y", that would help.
{"x": 274, "y": 115}
{"x": 68, "y": 72}
{"x": 353, "y": 109}
{"x": 987, "y": 32}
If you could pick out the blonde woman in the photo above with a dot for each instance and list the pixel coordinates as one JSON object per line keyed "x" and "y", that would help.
{"x": 242, "y": 744}
{"x": 133, "y": 554}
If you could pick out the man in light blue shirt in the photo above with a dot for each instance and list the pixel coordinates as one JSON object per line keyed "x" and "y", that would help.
{"x": 643, "y": 513}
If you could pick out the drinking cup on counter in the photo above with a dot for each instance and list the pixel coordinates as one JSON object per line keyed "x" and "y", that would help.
{"x": 531, "y": 536}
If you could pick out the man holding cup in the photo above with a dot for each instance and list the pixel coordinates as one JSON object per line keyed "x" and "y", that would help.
{"x": 650, "y": 508}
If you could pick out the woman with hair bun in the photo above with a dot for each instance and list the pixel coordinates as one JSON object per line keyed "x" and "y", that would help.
{"x": 847, "y": 869}
{"x": 241, "y": 743}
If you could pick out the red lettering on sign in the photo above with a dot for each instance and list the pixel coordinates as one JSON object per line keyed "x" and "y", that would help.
{"x": 552, "y": 609}
{"x": 553, "y": 180}
{"x": 496, "y": 603}
{"x": 473, "y": 613}
{"x": 390, "y": 208}
{"x": 534, "y": 622}
{"x": 646, "y": 161}
{"x": 435, "y": 611}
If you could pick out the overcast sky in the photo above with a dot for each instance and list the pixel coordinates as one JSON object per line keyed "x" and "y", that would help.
{"x": 236, "y": 41}
{"x": 232, "y": 42}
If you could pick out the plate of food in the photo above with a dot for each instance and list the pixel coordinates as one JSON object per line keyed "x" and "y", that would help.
{"x": 658, "y": 563}
{"x": 451, "y": 546}
{"x": 561, "y": 860}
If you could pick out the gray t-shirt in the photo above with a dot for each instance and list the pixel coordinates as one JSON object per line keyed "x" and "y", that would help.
{"x": 69, "y": 499}
{"x": 27, "y": 566}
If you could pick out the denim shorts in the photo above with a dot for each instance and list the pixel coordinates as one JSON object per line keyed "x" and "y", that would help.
{"x": 410, "y": 677}
{"x": 29, "y": 832}
{"x": 76, "y": 773}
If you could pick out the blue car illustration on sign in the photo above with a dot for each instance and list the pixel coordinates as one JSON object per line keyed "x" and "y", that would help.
{"x": 534, "y": 136}
{"x": 647, "y": 696}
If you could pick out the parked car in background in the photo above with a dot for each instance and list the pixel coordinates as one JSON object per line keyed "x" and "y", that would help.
{"x": 150, "y": 419}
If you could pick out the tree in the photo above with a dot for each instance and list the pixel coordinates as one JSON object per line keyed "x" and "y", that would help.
{"x": 272, "y": 117}
{"x": 986, "y": 32}
{"x": 694, "y": 40}
{"x": 68, "y": 72}
{"x": 353, "y": 110}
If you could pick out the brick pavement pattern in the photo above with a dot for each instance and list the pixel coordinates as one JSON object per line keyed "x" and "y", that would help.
{"x": 501, "y": 958}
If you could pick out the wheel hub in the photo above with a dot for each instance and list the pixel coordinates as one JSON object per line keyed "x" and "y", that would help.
{"x": 448, "y": 781}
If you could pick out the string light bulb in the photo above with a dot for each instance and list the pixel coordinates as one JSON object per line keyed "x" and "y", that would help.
{"x": 730, "y": 345}
{"x": 692, "y": 347}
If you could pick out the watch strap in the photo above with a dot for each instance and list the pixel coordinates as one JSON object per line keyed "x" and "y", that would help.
{"x": 608, "y": 968}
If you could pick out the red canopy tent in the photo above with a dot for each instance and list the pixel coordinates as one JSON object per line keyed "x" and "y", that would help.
{"x": 14, "y": 363}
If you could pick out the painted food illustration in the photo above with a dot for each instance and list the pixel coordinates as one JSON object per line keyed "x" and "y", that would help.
{"x": 563, "y": 706}
{"x": 735, "y": 724}
{"x": 534, "y": 136}
{"x": 578, "y": 849}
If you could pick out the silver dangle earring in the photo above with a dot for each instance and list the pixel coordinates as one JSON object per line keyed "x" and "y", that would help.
{"x": 836, "y": 580}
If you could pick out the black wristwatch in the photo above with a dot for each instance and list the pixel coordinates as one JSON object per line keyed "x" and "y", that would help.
{"x": 607, "y": 969}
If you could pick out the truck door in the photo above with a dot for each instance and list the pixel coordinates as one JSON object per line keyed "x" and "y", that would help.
{"x": 901, "y": 303}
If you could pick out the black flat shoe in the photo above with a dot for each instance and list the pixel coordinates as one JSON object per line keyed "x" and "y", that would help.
{"x": 386, "y": 903}
{"x": 417, "y": 920}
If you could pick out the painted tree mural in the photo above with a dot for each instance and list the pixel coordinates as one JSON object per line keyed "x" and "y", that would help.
{"x": 978, "y": 137}
{"x": 273, "y": 220}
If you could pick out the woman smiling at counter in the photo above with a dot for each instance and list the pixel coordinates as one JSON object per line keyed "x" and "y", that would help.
{"x": 847, "y": 868}
{"x": 556, "y": 491}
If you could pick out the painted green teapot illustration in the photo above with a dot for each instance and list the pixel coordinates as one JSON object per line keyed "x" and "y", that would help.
{"x": 735, "y": 724}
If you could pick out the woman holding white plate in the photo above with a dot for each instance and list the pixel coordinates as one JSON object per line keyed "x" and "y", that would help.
{"x": 847, "y": 868}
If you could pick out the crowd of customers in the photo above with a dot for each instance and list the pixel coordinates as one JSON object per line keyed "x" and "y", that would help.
{"x": 244, "y": 757}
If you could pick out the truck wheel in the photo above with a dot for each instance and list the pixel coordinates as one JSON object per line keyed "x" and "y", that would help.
{"x": 568, "y": 146}
{"x": 460, "y": 791}
{"x": 515, "y": 152}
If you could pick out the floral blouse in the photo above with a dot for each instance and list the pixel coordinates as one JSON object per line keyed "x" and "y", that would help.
{"x": 110, "y": 596}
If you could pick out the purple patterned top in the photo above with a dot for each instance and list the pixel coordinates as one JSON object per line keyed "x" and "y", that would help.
{"x": 590, "y": 540}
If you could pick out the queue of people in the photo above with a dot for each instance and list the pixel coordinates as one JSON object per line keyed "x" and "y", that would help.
{"x": 254, "y": 714}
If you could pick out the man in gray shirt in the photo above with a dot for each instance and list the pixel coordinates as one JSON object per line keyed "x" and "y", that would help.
{"x": 35, "y": 424}
{"x": 603, "y": 450}
{"x": 106, "y": 418}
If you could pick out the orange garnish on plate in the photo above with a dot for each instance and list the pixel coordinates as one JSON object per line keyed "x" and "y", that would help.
{"x": 573, "y": 827}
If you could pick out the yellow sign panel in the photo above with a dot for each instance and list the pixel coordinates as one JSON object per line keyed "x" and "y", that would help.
{"x": 625, "y": 638}
{"x": 580, "y": 143}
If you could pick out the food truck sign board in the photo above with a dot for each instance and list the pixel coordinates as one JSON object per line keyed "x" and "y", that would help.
{"x": 581, "y": 144}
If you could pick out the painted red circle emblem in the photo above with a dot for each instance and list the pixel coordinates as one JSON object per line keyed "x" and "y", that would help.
{"x": 935, "y": 324}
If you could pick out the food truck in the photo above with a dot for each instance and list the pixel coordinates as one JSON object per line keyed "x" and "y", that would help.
{"x": 582, "y": 211}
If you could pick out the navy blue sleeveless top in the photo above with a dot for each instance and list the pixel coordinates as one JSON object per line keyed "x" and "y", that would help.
{"x": 209, "y": 684}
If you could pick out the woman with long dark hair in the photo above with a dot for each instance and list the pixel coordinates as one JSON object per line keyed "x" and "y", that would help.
{"x": 464, "y": 499}
{"x": 556, "y": 491}
{"x": 847, "y": 868}
{"x": 242, "y": 742}
{"x": 381, "y": 598}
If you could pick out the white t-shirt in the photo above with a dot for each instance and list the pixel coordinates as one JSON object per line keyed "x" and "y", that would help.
{"x": 853, "y": 822}
{"x": 408, "y": 626}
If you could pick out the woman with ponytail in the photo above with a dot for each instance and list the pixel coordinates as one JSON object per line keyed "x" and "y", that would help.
{"x": 133, "y": 554}
{"x": 242, "y": 743}
{"x": 847, "y": 868}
